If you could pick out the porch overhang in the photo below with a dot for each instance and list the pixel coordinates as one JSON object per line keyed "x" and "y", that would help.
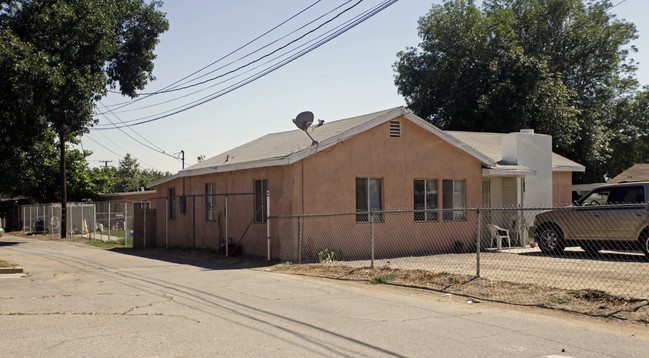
{"x": 507, "y": 170}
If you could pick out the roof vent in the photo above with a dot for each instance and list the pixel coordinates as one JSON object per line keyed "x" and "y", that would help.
{"x": 395, "y": 129}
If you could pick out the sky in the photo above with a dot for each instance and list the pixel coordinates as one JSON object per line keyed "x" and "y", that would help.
{"x": 348, "y": 76}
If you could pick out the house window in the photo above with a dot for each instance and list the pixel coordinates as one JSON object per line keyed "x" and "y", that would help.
{"x": 454, "y": 197}
{"x": 425, "y": 191}
{"x": 395, "y": 129}
{"x": 210, "y": 202}
{"x": 171, "y": 198}
{"x": 261, "y": 213}
{"x": 369, "y": 198}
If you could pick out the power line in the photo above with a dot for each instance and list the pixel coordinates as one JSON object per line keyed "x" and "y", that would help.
{"x": 231, "y": 53}
{"x": 112, "y": 151}
{"x": 147, "y": 95}
{"x": 340, "y": 30}
{"x": 157, "y": 149}
{"x": 260, "y": 58}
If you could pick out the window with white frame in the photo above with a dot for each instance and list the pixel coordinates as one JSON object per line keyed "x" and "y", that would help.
{"x": 171, "y": 198}
{"x": 425, "y": 199}
{"x": 454, "y": 197}
{"x": 369, "y": 198}
{"x": 210, "y": 202}
{"x": 261, "y": 209}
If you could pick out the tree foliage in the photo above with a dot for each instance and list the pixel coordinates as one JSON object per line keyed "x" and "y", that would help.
{"x": 58, "y": 57}
{"x": 130, "y": 177}
{"x": 558, "y": 66}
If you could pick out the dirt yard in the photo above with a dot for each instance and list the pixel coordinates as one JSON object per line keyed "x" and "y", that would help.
{"x": 609, "y": 286}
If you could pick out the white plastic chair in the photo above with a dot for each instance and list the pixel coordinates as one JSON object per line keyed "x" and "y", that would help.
{"x": 499, "y": 234}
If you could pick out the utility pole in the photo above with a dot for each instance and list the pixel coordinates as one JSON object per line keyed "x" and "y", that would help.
{"x": 105, "y": 162}
{"x": 64, "y": 199}
{"x": 182, "y": 156}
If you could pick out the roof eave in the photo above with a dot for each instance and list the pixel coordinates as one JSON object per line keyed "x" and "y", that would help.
{"x": 569, "y": 168}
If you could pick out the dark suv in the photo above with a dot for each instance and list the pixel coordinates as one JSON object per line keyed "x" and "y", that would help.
{"x": 612, "y": 216}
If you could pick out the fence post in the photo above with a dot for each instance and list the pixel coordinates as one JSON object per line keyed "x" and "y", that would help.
{"x": 125, "y": 223}
{"x": 372, "y": 233}
{"x": 194, "y": 220}
{"x": 226, "y": 225}
{"x": 268, "y": 222}
{"x": 299, "y": 239}
{"x": 52, "y": 218}
{"x": 109, "y": 221}
{"x": 477, "y": 242}
{"x": 144, "y": 241}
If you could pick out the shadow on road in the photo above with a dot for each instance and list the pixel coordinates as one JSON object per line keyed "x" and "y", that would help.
{"x": 206, "y": 259}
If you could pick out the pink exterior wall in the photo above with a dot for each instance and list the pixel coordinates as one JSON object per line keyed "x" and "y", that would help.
{"x": 561, "y": 188}
{"x": 325, "y": 183}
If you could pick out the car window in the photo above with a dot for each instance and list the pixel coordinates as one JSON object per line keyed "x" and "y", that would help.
{"x": 626, "y": 195}
{"x": 598, "y": 197}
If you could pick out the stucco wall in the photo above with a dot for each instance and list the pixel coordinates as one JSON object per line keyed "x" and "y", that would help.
{"x": 325, "y": 183}
{"x": 561, "y": 188}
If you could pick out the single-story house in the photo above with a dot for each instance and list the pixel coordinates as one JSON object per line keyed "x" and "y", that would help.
{"x": 390, "y": 159}
{"x": 638, "y": 172}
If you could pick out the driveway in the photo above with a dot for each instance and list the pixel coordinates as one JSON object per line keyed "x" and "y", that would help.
{"x": 76, "y": 300}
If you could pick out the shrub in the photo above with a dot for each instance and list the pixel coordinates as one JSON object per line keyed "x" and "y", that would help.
{"x": 330, "y": 255}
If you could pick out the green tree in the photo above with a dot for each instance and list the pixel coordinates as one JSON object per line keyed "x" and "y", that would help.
{"x": 558, "y": 66}
{"x": 129, "y": 177}
{"x": 630, "y": 128}
{"x": 57, "y": 58}
{"x": 40, "y": 177}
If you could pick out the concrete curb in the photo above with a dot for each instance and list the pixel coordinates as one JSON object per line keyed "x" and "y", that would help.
{"x": 16, "y": 269}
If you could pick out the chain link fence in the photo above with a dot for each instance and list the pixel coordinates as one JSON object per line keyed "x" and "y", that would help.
{"x": 570, "y": 250}
{"x": 102, "y": 221}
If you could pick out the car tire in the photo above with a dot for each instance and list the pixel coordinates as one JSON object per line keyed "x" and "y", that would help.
{"x": 550, "y": 239}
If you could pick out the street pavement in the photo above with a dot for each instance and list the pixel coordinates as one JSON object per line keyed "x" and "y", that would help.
{"x": 74, "y": 300}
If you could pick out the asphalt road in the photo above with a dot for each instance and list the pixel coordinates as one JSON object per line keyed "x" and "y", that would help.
{"x": 76, "y": 301}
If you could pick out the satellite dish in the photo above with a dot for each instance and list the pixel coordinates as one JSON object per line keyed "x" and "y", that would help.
{"x": 304, "y": 120}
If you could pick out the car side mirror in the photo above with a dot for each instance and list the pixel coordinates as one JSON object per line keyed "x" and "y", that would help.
{"x": 575, "y": 203}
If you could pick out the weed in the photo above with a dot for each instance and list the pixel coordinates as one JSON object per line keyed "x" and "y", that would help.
{"x": 559, "y": 300}
{"x": 384, "y": 278}
{"x": 455, "y": 279}
{"x": 4, "y": 263}
{"x": 330, "y": 255}
{"x": 573, "y": 292}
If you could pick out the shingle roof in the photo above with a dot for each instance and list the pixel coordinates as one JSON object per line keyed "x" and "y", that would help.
{"x": 638, "y": 172}
{"x": 490, "y": 144}
{"x": 288, "y": 147}
{"x": 280, "y": 146}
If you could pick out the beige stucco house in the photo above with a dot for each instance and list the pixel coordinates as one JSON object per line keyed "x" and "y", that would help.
{"x": 385, "y": 160}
